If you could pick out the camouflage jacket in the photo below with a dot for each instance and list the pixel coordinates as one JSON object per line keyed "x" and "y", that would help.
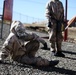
{"x": 55, "y": 10}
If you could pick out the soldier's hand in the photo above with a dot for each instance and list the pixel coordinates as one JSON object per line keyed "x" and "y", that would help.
{"x": 45, "y": 47}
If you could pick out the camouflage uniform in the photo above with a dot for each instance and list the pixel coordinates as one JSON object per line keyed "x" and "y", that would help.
{"x": 22, "y": 46}
{"x": 55, "y": 17}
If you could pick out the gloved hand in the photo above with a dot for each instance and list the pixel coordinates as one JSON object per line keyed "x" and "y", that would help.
{"x": 45, "y": 47}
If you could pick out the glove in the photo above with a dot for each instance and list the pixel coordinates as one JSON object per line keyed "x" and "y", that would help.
{"x": 45, "y": 47}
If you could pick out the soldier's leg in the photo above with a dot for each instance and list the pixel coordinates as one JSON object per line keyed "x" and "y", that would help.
{"x": 37, "y": 61}
{"x": 52, "y": 39}
{"x": 31, "y": 59}
{"x": 45, "y": 62}
{"x": 52, "y": 44}
{"x": 59, "y": 44}
{"x": 32, "y": 47}
{"x": 59, "y": 41}
{"x": 29, "y": 56}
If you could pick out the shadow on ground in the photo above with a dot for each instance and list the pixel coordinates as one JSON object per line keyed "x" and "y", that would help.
{"x": 70, "y": 52}
{"x": 45, "y": 69}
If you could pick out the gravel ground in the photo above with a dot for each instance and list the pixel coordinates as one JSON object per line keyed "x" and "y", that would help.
{"x": 66, "y": 66}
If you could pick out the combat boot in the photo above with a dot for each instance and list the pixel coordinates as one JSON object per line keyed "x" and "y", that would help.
{"x": 59, "y": 54}
{"x": 53, "y": 63}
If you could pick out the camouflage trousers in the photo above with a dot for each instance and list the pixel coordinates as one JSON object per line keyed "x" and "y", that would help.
{"x": 55, "y": 39}
{"x": 29, "y": 58}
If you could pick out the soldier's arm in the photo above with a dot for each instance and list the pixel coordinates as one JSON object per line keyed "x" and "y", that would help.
{"x": 62, "y": 13}
{"x": 25, "y": 36}
{"x": 49, "y": 13}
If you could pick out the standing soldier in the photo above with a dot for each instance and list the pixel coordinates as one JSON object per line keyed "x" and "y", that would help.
{"x": 55, "y": 17}
{"x": 22, "y": 46}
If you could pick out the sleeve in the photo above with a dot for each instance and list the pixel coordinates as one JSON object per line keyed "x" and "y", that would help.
{"x": 25, "y": 36}
{"x": 30, "y": 36}
{"x": 49, "y": 12}
{"x": 48, "y": 9}
{"x": 7, "y": 45}
{"x": 7, "y": 48}
{"x": 62, "y": 13}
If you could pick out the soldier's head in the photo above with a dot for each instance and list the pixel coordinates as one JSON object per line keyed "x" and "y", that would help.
{"x": 17, "y": 26}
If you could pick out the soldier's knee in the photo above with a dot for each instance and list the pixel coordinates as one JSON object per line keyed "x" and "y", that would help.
{"x": 36, "y": 43}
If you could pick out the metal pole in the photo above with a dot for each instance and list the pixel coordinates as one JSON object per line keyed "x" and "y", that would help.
{"x": 2, "y": 19}
{"x": 66, "y": 31}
